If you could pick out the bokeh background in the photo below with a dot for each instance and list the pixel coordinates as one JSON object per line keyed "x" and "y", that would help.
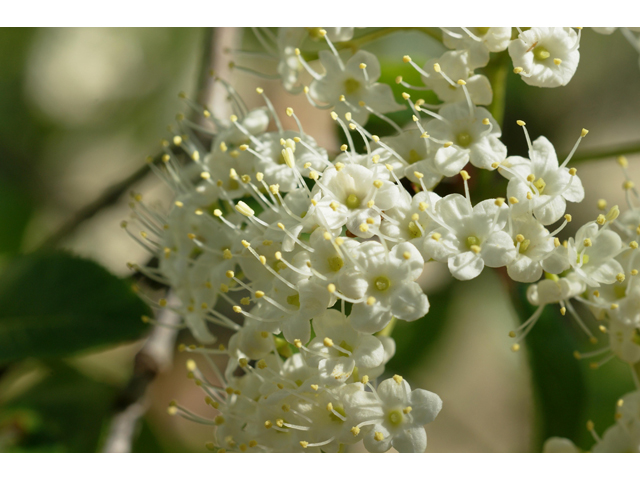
{"x": 80, "y": 109}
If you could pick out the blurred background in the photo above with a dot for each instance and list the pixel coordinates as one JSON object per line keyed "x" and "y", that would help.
{"x": 80, "y": 109}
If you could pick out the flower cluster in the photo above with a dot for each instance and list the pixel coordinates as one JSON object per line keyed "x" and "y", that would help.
{"x": 308, "y": 256}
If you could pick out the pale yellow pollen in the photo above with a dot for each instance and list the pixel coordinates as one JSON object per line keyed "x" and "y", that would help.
{"x": 436, "y": 236}
{"x": 568, "y": 217}
{"x": 365, "y": 379}
{"x": 620, "y": 277}
{"x": 513, "y": 200}
{"x": 407, "y": 410}
{"x": 371, "y": 301}
{"x": 398, "y": 379}
{"x": 378, "y": 436}
{"x": 465, "y": 175}
{"x": 406, "y": 59}
{"x": 622, "y": 161}
{"x": 587, "y": 242}
{"x": 355, "y": 431}
{"x": 331, "y": 287}
{"x": 557, "y": 61}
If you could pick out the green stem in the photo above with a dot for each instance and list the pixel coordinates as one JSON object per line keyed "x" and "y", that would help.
{"x": 388, "y": 330}
{"x": 108, "y": 198}
{"x": 497, "y": 72}
{"x": 606, "y": 152}
{"x": 356, "y": 43}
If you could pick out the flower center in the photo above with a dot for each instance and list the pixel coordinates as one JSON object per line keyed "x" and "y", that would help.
{"x": 294, "y": 300}
{"x": 414, "y": 230}
{"x": 585, "y": 258}
{"x": 540, "y": 184}
{"x": 463, "y": 139}
{"x": 524, "y": 246}
{"x": 620, "y": 291}
{"x": 540, "y": 53}
{"x": 344, "y": 345}
{"x": 335, "y": 263}
{"x": 353, "y": 201}
{"x": 351, "y": 85}
{"x": 340, "y": 409}
{"x": 472, "y": 240}
{"x": 382, "y": 283}
{"x": 414, "y": 156}
{"x": 395, "y": 417}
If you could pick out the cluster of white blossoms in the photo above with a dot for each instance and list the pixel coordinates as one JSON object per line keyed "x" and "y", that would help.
{"x": 308, "y": 256}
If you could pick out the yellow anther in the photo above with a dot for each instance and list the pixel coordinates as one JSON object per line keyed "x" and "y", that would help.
{"x": 515, "y": 347}
{"x": 513, "y": 200}
{"x": 622, "y": 161}
{"x": 407, "y": 410}
{"x": 557, "y": 61}
{"x": 614, "y": 306}
{"x": 519, "y": 238}
{"x": 620, "y": 277}
{"x": 289, "y": 111}
{"x": 634, "y": 272}
{"x": 518, "y": 70}
{"x": 229, "y": 273}
{"x": 268, "y": 424}
{"x": 461, "y": 82}
{"x": 304, "y": 444}
{"x": 568, "y": 217}
{"x": 447, "y": 144}
{"x": 587, "y": 242}
{"x": 378, "y": 436}
{"x": 375, "y": 138}
{"x": 399, "y": 79}
{"x": 259, "y": 90}
{"x": 362, "y": 66}
{"x": 162, "y": 302}
{"x": 398, "y": 379}
{"x": 355, "y": 431}
{"x": 344, "y": 148}
{"x": 314, "y": 387}
{"x": 371, "y": 301}
{"x": 363, "y": 227}
{"x": 327, "y": 342}
{"x": 244, "y": 209}
{"x": 520, "y": 123}
{"x": 602, "y": 204}
{"x": 465, "y": 175}
{"x": 628, "y": 185}
{"x": 237, "y": 309}
{"x": 243, "y": 362}
{"x": 499, "y": 201}
{"x": 573, "y": 171}
{"x": 584, "y": 132}
{"x": 406, "y": 59}
{"x": 600, "y": 219}
{"x": 377, "y": 183}
{"x": 406, "y": 96}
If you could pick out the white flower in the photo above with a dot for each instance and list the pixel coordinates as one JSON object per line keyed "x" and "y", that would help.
{"x": 277, "y": 169}
{"x": 356, "y": 83}
{"x": 418, "y": 153}
{"x": 470, "y": 238}
{"x": 349, "y": 193}
{"x": 554, "y": 290}
{"x": 547, "y": 56}
{"x": 383, "y": 283}
{"x": 394, "y": 416}
{"x": 533, "y": 245}
{"x": 408, "y": 221}
{"x": 327, "y": 258}
{"x": 478, "y": 41}
{"x": 474, "y": 137}
{"x": 455, "y": 64}
{"x": 559, "y": 445}
{"x": 624, "y": 340}
{"x": 540, "y": 184}
{"x": 591, "y": 255}
{"x": 618, "y": 439}
{"x": 337, "y": 340}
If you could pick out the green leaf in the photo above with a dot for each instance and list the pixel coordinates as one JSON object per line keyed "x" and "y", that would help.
{"x": 55, "y": 305}
{"x": 66, "y": 412}
{"x": 559, "y": 384}
{"x": 415, "y": 339}
{"x": 15, "y": 210}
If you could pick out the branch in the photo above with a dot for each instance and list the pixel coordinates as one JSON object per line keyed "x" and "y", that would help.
{"x": 108, "y": 198}
{"x": 157, "y": 353}
{"x": 606, "y": 152}
{"x": 155, "y": 356}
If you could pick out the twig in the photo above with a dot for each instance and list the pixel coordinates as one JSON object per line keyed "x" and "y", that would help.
{"x": 109, "y": 197}
{"x": 606, "y": 152}
{"x": 155, "y": 356}
{"x": 157, "y": 353}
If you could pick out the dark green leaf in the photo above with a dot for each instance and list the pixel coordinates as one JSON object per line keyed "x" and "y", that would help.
{"x": 56, "y": 305}
{"x": 415, "y": 339}
{"x": 65, "y": 412}
{"x": 15, "y": 210}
